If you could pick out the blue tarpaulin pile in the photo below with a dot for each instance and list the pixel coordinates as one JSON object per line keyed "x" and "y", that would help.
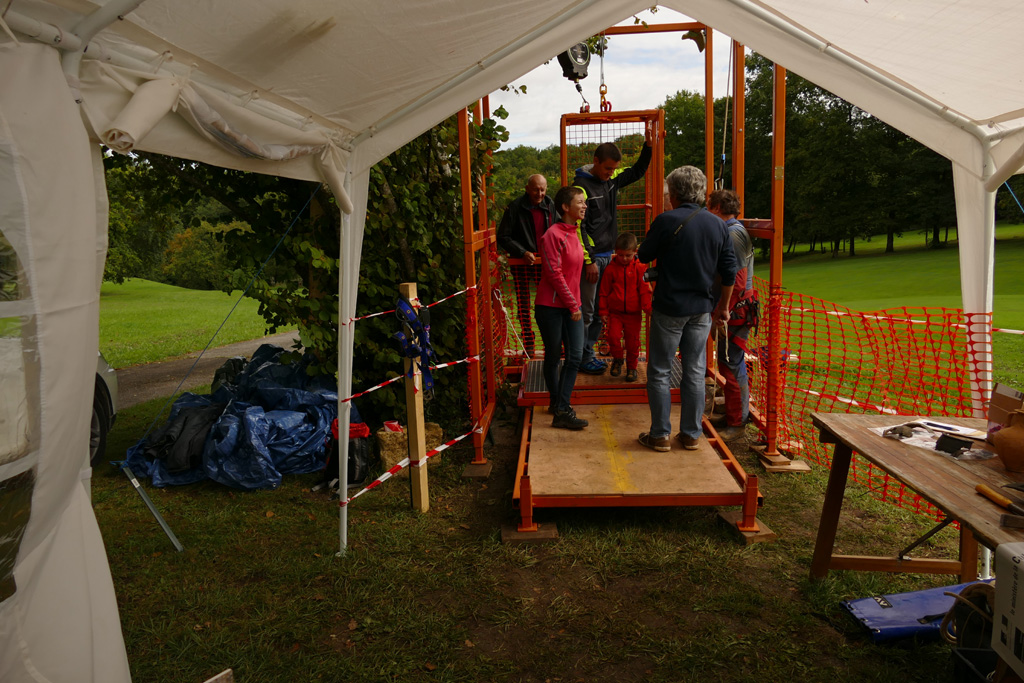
{"x": 263, "y": 420}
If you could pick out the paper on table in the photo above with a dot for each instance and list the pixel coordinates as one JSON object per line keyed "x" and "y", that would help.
{"x": 954, "y": 429}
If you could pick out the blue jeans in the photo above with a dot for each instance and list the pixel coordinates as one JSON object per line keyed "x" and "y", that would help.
{"x": 588, "y": 302}
{"x": 556, "y": 324}
{"x": 689, "y": 334}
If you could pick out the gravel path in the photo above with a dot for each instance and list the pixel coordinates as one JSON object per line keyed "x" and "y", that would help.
{"x": 141, "y": 383}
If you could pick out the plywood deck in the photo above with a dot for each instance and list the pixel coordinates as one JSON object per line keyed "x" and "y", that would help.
{"x": 605, "y": 459}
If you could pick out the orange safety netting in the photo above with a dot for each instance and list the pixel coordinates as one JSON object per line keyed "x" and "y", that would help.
{"x": 898, "y": 361}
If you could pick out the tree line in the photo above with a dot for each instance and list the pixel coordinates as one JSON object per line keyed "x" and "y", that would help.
{"x": 849, "y": 176}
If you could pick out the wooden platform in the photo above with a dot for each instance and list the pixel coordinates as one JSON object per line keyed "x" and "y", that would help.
{"x": 606, "y": 460}
{"x": 593, "y": 389}
{"x": 603, "y": 465}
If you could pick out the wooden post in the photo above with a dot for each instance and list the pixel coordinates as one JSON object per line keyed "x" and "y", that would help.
{"x": 416, "y": 430}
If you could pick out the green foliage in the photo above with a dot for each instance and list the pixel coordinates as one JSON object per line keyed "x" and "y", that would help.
{"x": 848, "y": 175}
{"x": 141, "y": 221}
{"x": 196, "y": 258}
{"x": 413, "y": 234}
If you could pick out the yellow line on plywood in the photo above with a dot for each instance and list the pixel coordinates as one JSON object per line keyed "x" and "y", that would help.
{"x": 617, "y": 458}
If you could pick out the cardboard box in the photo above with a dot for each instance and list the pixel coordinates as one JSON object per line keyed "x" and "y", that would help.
{"x": 1008, "y": 616}
{"x": 1004, "y": 401}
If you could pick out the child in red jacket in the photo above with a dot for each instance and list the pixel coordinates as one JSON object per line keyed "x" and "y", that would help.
{"x": 624, "y": 297}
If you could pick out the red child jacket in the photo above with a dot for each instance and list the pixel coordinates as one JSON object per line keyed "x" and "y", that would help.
{"x": 623, "y": 289}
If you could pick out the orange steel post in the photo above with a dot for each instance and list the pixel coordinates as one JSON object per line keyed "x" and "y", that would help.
{"x": 775, "y": 272}
{"x": 709, "y": 111}
{"x": 472, "y": 329}
{"x": 486, "y": 284}
{"x": 526, "y": 506}
{"x": 739, "y": 121}
{"x": 563, "y": 155}
{"x": 749, "y": 521}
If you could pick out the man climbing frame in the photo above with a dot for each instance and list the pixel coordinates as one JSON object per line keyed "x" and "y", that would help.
{"x": 601, "y": 182}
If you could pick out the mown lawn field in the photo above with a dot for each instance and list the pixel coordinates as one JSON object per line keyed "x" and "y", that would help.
{"x": 143, "y": 321}
{"x": 917, "y": 276}
{"x": 623, "y": 595}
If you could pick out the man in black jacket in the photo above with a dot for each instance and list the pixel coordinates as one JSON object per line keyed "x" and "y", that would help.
{"x": 692, "y": 246}
{"x": 601, "y": 182}
{"x": 525, "y": 220}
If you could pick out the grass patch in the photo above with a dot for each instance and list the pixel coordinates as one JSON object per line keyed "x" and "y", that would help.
{"x": 143, "y": 321}
{"x": 643, "y": 594}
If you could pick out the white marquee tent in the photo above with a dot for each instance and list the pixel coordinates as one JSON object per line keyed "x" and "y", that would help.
{"x": 323, "y": 89}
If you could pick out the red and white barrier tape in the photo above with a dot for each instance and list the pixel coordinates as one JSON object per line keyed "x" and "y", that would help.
{"x": 452, "y": 296}
{"x": 849, "y": 401}
{"x": 865, "y": 316}
{"x": 379, "y": 313}
{"x": 379, "y": 386}
{"x": 407, "y": 463}
{"x": 471, "y": 359}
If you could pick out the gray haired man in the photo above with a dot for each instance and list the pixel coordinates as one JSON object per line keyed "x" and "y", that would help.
{"x": 691, "y": 246}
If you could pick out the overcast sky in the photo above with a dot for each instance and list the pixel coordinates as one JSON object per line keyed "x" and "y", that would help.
{"x": 641, "y": 71}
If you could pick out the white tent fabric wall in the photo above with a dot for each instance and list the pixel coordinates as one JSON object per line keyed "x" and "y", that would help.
{"x": 363, "y": 78}
{"x": 61, "y": 623}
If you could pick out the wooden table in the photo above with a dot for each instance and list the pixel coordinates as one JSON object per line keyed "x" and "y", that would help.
{"x": 946, "y": 483}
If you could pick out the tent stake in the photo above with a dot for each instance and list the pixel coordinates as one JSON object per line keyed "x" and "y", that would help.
{"x": 152, "y": 508}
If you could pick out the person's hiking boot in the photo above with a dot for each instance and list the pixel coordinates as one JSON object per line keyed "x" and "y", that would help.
{"x": 655, "y": 443}
{"x": 687, "y": 442}
{"x": 616, "y": 367}
{"x": 568, "y": 420}
{"x": 719, "y": 420}
{"x": 593, "y": 367}
{"x": 732, "y": 433}
{"x": 631, "y": 375}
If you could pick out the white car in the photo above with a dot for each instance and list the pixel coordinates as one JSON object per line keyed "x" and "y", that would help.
{"x": 104, "y": 409}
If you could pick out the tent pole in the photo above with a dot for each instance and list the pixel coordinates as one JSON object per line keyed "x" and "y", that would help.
{"x": 86, "y": 29}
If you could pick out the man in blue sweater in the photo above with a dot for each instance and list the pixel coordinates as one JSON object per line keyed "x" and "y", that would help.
{"x": 691, "y": 246}
{"x": 601, "y": 182}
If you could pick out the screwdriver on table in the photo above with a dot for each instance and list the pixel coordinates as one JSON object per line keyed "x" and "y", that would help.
{"x": 999, "y": 499}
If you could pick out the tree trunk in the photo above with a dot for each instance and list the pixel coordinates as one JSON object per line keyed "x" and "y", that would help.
{"x": 936, "y": 243}
{"x": 890, "y": 236}
{"x": 852, "y": 247}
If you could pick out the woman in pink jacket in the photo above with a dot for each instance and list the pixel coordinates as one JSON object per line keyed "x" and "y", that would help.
{"x": 557, "y": 307}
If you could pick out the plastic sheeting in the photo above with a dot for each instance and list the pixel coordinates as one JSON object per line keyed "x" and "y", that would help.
{"x": 275, "y": 421}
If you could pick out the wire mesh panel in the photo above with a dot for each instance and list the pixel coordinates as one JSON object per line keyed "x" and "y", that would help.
{"x": 898, "y": 361}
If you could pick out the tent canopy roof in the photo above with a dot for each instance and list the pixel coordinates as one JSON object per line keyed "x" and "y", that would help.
{"x": 942, "y": 71}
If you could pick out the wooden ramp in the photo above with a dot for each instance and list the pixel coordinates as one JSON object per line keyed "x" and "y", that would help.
{"x": 604, "y": 466}
{"x": 605, "y": 459}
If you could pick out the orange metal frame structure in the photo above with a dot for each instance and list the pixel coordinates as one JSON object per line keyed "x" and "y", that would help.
{"x": 479, "y": 240}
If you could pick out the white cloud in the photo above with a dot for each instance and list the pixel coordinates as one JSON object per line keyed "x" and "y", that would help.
{"x": 641, "y": 71}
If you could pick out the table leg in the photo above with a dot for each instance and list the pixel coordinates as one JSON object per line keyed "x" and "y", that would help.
{"x": 968, "y": 555}
{"x": 830, "y": 511}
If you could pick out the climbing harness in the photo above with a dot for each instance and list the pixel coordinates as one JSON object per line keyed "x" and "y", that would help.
{"x": 414, "y": 341}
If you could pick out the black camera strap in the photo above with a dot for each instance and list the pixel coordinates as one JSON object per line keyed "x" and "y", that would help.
{"x": 685, "y": 222}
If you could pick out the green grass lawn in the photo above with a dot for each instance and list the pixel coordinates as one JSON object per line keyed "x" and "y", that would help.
{"x": 917, "y": 276}
{"x": 143, "y": 321}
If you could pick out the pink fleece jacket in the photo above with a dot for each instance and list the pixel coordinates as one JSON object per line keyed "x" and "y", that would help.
{"x": 561, "y": 267}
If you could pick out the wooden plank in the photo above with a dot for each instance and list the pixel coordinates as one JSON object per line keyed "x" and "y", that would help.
{"x": 605, "y": 459}
{"x": 938, "y": 478}
{"x": 865, "y": 563}
{"x": 414, "y": 418}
